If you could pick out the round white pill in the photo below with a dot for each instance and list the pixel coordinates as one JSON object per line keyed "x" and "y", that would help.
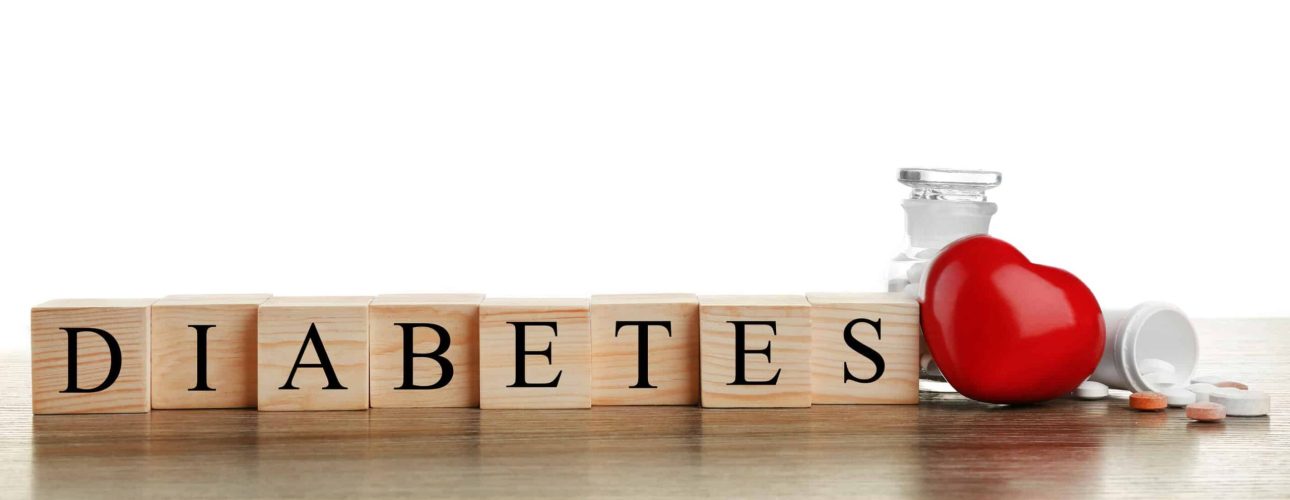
{"x": 1178, "y": 397}
{"x": 1091, "y": 390}
{"x": 1160, "y": 380}
{"x": 1208, "y": 380}
{"x": 1223, "y": 390}
{"x": 1202, "y": 391}
{"x": 1251, "y": 403}
{"x": 1153, "y": 365}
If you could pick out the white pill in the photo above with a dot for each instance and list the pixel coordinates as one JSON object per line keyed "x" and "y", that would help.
{"x": 1091, "y": 390}
{"x": 1179, "y": 397}
{"x": 1223, "y": 390}
{"x": 1153, "y": 365}
{"x": 1208, "y": 380}
{"x": 1251, "y": 403}
{"x": 1160, "y": 380}
{"x": 1202, "y": 391}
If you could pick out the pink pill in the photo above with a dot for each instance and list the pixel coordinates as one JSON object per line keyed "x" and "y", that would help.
{"x": 1206, "y": 412}
{"x": 1234, "y": 385}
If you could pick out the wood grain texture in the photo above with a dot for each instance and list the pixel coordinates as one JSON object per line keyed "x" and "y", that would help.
{"x": 458, "y": 315}
{"x": 896, "y": 343}
{"x": 284, "y": 324}
{"x": 789, "y": 357}
{"x": 673, "y": 353}
{"x": 945, "y": 447}
{"x": 126, "y": 320}
{"x": 230, "y": 350}
{"x": 570, "y": 353}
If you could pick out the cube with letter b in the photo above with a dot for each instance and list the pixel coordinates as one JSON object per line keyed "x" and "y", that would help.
{"x": 645, "y": 349}
{"x": 534, "y": 353}
{"x": 313, "y": 354}
{"x": 755, "y": 351}
{"x": 864, "y": 348}
{"x": 424, "y": 350}
{"x": 203, "y": 351}
{"x": 90, "y": 356}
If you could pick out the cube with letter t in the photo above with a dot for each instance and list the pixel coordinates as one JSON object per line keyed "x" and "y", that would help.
{"x": 534, "y": 353}
{"x": 90, "y": 356}
{"x": 645, "y": 349}
{"x": 313, "y": 354}
{"x": 755, "y": 351}
{"x": 864, "y": 348}
{"x": 203, "y": 351}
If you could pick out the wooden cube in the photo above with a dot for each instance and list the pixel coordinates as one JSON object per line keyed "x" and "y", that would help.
{"x": 864, "y": 348}
{"x": 90, "y": 356}
{"x": 424, "y": 350}
{"x": 755, "y": 351}
{"x": 313, "y": 354}
{"x": 534, "y": 353}
{"x": 203, "y": 351}
{"x": 645, "y": 349}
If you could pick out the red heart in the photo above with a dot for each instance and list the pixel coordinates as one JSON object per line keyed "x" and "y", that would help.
{"x": 1005, "y": 330}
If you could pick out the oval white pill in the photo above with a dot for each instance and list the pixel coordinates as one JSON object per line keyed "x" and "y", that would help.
{"x": 1209, "y": 380}
{"x": 1091, "y": 390}
{"x": 1251, "y": 403}
{"x": 1153, "y": 365}
{"x": 1202, "y": 391}
{"x": 1223, "y": 390}
{"x": 1179, "y": 397}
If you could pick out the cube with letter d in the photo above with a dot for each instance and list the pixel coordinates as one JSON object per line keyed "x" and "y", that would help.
{"x": 90, "y": 356}
{"x": 755, "y": 351}
{"x": 534, "y": 353}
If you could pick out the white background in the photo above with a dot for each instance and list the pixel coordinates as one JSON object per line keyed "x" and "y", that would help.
{"x": 569, "y": 148}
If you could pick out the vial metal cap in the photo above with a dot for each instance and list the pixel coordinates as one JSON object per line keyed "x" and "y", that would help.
{"x": 948, "y": 185}
{"x": 923, "y": 177}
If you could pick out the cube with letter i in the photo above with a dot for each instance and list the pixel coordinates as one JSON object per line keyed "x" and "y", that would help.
{"x": 534, "y": 353}
{"x": 864, "y": 348}
{"x": 645, "y": 349}
{"x": 90, "y": 356}
{"x": 203, "y": 351}
{"x": 313, "y": 354}
{"x": 755, "y": 351}
{"x": 424, "y": 350}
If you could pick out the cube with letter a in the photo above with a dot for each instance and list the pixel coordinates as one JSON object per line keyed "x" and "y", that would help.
{"x": 534, "y": 353}
{"x": 90, "y": 356}
{"x": 312, "y": 354}
{"x": 864, "y": 348}
{"x": 755, "y": 351}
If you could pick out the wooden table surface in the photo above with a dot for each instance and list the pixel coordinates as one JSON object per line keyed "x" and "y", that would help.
{"x": 944, "y": 447}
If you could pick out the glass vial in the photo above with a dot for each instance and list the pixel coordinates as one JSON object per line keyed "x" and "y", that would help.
{"x": 943, "y": 206}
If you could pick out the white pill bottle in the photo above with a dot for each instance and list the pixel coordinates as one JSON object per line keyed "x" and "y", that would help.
{"x": 1153, "y": 331}
{"x": 943, "y": 206}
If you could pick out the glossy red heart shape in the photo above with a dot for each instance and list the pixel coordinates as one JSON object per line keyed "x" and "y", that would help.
{"x": 1005, "y": 330}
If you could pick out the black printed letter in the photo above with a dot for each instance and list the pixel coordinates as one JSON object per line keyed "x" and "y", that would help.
{"x": 740, "y": 377}
{"x": 864, "y": 350}
{"x": 437, "y": 355}
{"x": 642, "y": 348}
{"x": 201, "y": 357}
{"x": 520, "y": 353}
{"x": 114, "y": 363}
{"x": 324, "y": 363}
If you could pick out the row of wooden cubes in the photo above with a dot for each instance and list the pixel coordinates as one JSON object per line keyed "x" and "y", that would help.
{"x": 457, "y": 350}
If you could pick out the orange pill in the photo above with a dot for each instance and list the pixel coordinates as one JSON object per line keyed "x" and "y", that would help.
{"x": 1206, "y": 412}
{"x": 1234, "y": 385}
{"x": 1148, "y": 401}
